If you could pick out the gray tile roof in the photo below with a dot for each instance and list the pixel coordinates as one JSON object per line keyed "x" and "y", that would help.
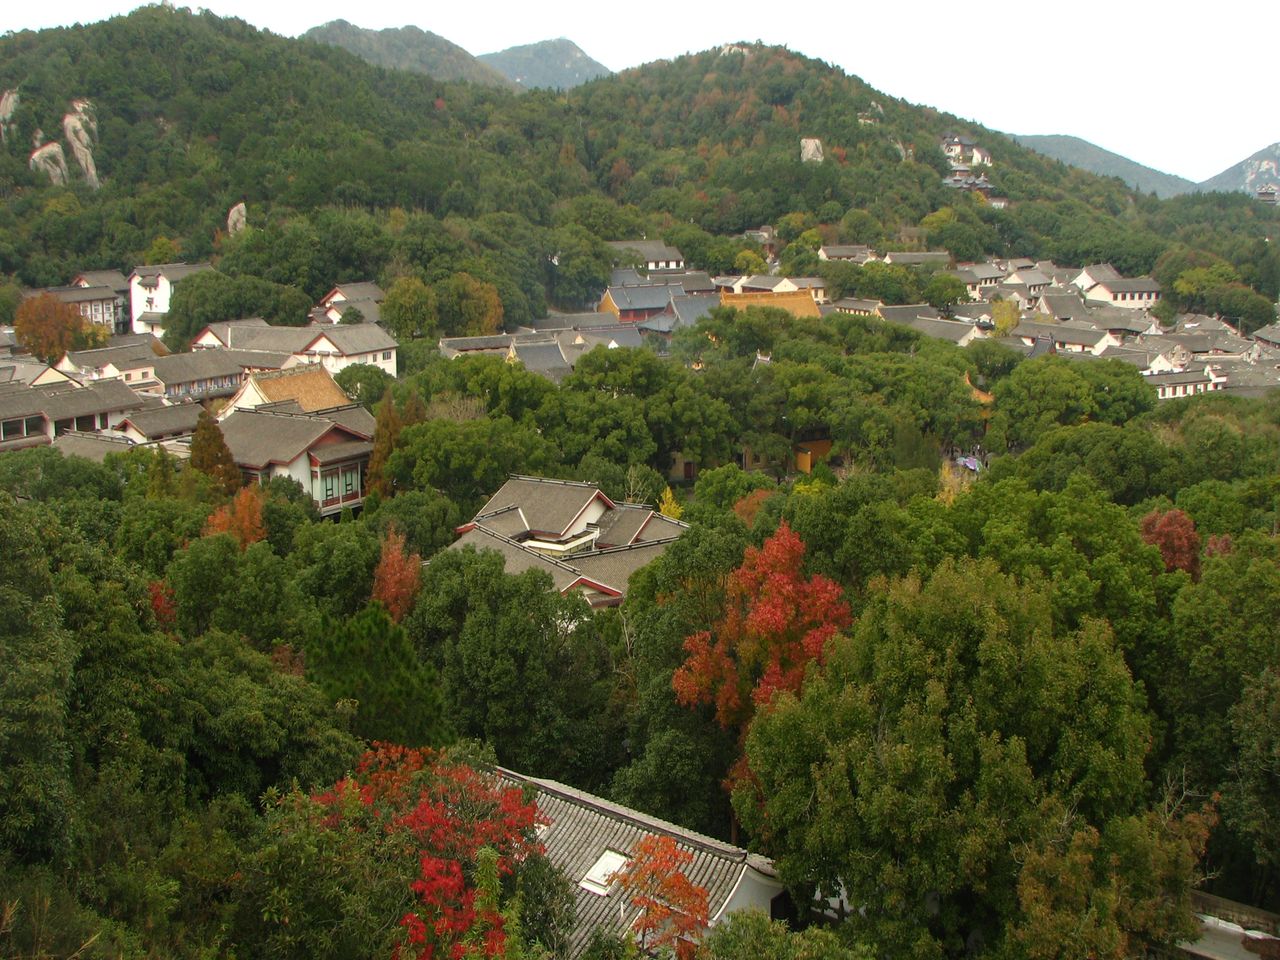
{"x": 844, "y": 251}
{"x": 690, "y": 309}
{"x": 582, "y": 827}
{"x": 173, "y": 272}
{"x": 612, "y": 568}
{"x": 90, "y": 446}
{"x": 1064, "y": 306}
{"x": 1060, "y": 333}
{"x": 1101, "y": 272}
{"x": 517, "y": 559}
{"x": 176, "y": 420}
{"x": 198, "y": 365}
{"x": 951, "y": 330}
{"x": 543, "y": 357}
{"x": 65, "y": 401}
{"x": 910, "y": 257}
{"x": 1268, "y": 334}
{"x": 82, "y": 294}
{"x": 647, "y": 250}
{"x": 548, "y": 506}
{"x": 114, "y": 279}
{"x": 356, "y": 338}
{"x": 370, "y": 309}
{"x": 1136, "y": 285}
{"x": 621, "y": 526}
{"x": 647, "y": 297}
{"x": 128, "y": 356}
{"x": 907, "y": 313}
{"x": 571, "y": 321}
{"x": 360, "y": 290}
{"x": 345, "y": 450}
{"x": 257, "y": 438}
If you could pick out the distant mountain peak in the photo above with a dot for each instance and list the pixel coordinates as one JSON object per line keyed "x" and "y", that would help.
{"x": 1095, "y": 159}
{"x": 1262, "y": 169}
{"x": 557, "y": 64}
{"x": 408, "y": 48}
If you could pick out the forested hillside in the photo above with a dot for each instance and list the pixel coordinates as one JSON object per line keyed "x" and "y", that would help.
{"x": 203, "y": 112}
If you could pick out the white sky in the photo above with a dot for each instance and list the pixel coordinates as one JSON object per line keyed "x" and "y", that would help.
{"x": 1188, "y": 89}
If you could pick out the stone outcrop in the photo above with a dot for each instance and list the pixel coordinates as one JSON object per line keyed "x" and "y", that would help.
{"x": 49, "y": 159}
{"x": 237, "y": 219}
{"x": 9, "y": 101}
{"x": 810, "y": 150}
{"x": 81, "y": 130}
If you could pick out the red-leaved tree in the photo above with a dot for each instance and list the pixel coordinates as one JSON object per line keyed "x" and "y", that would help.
{"x": 465, "y": 832}
{"x": 397, "y": 576}
{"x": 775, "y": 623}
{"x": 242, "y": 517}
{"x": 1174, "y": 533}
{"x": 673, "y": 909}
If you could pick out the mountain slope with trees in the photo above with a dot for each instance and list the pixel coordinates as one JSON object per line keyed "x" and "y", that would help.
{"x": 354, "y": 172}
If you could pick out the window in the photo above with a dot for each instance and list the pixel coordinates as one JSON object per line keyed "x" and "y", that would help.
{"x": 330, "y": 481}
{"x": 597, "y": 879}
{"x": 348, "y": 481}
{"x": 386, "y": 354}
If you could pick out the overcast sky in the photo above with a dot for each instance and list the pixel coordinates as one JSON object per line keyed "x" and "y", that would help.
{"x": 1187, "y": 89}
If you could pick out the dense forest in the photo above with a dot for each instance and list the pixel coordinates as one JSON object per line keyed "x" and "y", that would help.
{"x": 1021, "y": 713}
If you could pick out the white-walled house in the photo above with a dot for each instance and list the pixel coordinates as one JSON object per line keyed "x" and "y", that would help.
{"x": 151, "y": 293}
{"x": 1141, "y": 293}
{"x": 327, "y": 452}
{"x": 333, "y": 346}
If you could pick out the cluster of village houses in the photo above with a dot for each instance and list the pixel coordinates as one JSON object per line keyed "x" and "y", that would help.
{"x": 283, "y": 415}
{"x": 273, "y": 391}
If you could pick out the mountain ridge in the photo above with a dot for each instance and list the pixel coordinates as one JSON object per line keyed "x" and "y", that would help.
{"x": 408, "y": 48}
{"x": 1257, "y": 170}
{"x": 558, "y": 64}
{"x": 1081, "y": 153}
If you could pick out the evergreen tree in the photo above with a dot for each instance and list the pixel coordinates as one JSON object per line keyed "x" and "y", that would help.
{"x": 211, "y": 456}
{"x": 386, "y": 431}
{"x": 369, "y": 659}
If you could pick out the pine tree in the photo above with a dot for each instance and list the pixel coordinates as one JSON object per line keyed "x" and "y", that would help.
{"x": 386, "y": 430}
{"x": 211, "y": 456}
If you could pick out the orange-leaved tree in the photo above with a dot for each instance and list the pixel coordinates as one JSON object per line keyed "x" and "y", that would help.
{"x": 775, "y": 623}
{"x": 397, "y": 576}
{"x": 673, "y": 909}
{"x": 49, "y": 327}
{"x": 242, "y": 517}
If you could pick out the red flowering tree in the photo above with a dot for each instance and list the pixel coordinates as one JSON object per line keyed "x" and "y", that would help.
{"x": 397, "y": 576}
{"x": 1174, "y": 533}
{"x": 673, "y": 909}
{"x": 414, "y": 854}
{"x": 775, "y": 623}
